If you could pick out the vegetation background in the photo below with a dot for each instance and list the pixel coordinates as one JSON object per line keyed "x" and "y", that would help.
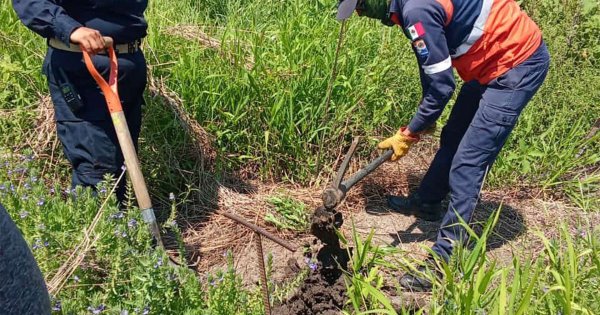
{"x": 262, "y": 97}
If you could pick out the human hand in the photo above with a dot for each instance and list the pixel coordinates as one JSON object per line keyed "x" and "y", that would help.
{"x": 88, "y": 39}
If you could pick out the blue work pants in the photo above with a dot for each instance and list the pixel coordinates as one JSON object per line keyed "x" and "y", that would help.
{"x": 87, "y": 134}
{"x": 479, "y": 124}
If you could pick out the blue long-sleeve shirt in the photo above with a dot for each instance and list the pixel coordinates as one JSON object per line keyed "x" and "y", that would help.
{"x": 423, "y": 23}
{"x": 123, "y": 20}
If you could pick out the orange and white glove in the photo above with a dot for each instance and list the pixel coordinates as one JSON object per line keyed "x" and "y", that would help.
{"x": 400, "y": 143}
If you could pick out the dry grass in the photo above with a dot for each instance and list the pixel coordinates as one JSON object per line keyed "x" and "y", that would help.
{"x": 523, "y": 215}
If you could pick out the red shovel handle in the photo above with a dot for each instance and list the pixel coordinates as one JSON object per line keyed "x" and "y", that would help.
{"x": 108, "y": 88}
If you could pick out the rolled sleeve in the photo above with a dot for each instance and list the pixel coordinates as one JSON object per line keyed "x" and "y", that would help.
{"x": 46, "y": 18}
{"x": 64, "y": 27}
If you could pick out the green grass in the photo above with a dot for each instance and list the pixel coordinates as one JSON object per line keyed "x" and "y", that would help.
{"x": 272, "y": 117}
{"x": 288, "y": 213}
{"x": 274, "y": 114}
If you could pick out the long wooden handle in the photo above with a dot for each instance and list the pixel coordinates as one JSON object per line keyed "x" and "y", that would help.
{"x": 124, "y": 136}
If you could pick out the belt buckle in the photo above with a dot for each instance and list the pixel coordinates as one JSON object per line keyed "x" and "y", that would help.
{"x": 133, "y": 47}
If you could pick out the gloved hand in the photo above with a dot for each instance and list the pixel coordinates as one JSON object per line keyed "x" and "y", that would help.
{"x": 399, "y": 142}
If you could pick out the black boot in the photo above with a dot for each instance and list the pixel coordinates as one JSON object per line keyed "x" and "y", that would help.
{"x": 421, "y": 280}
{"x": 412, "y": 205}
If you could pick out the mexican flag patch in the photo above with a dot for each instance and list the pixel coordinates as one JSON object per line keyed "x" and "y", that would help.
{"x": 415, "y": 31}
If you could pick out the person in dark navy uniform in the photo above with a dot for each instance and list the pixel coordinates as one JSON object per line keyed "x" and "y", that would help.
{"x": 83, "y": 122}
{"x": 499, "y": 53}
{"x": 22, "y": 287}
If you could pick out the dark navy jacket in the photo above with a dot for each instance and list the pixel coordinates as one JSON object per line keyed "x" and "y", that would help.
{"x": 123, "y": 20}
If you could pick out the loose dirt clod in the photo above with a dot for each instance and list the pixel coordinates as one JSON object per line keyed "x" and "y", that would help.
{"x": 331, "y": 255}
{"x": 323, "y": 292}
{"x": 315, "y": 296}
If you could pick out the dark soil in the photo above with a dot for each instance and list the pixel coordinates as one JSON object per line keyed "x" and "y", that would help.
{"x": 316, "y": 296}
{"x": 323, "y": 292}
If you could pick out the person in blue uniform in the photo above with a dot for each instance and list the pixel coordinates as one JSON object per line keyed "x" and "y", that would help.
{"x": 22, "y": 287}
{"x": 499, "y": 53}
{"x": 83, "y": 122}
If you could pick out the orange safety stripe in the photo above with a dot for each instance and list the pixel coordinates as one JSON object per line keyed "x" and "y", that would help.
{"x": 509, "y": 38}
{"x": 109, "y": 89}
{"x": 448, "y": 8}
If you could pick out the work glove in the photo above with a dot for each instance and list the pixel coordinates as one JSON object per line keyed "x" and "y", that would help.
{"x": 399, "y": 142}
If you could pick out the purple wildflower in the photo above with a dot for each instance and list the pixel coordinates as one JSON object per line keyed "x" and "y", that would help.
{"x": 34, "y": 179}
{"x": 158, "y": 263}
{"x": 582, "y": 234}
{"x": 146, "y": 310}
{"x": 46, "y": 243}
{"x": 124, "y": 312}
{"x": 124, "y": 234}
{"x": 117, "y": 215}
{"x": 52, "y": 191}
{"x": 37, "y": 244}
{"x": 27, "y": 186}
{"x": 67, "y": 191}
{"x": 171, "y": 196}
{"x": 102, "y": 190}
{"x": 312, "y": 265}
{"x": 96, "y": 310}
{"x": 123, "y": 168}
{"x": 132, "y": 223}
{"x": 12, "y": 187}
{"x": 41, "y": 202}
{"x": 23, "y": 214}
{"x": 57, "y": 307}
{"x": 2, "y": 187}
{"x": 76, "y": 279}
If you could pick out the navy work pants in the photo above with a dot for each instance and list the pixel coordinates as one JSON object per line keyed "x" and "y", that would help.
{"x": 479, "y": 124}
{"x": 87, "y": 134}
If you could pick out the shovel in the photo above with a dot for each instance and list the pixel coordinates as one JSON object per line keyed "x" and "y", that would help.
{"x": 109, "y": 89}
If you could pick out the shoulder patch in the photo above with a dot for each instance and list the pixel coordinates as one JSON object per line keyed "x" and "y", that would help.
{"x": 421, "y": 49}
{"x": 415, "y": 31}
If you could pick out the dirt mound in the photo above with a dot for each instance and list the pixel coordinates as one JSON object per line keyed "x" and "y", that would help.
{"x": 315, "y": 296}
